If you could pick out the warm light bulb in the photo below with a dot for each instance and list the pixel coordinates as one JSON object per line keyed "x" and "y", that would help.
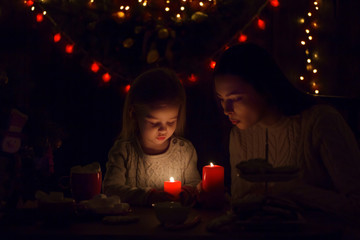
{"x": 57, "y": 37}
{"x": 316, "y": 8}
{"x": 127, "y": 88}
{"x": 307, "y": 51}
{"x": 178, "y": 15}
{"x": 32, "y": 8}
{"x": 212, "y": 64}
{"x": 39, "y": 17}
{"x": 308, "y": 60}
{"x": 301, "y": 20}
{"x": 121, "y": 7}
{"x": 201, "y": 4}
{"x": 261, "y": 24}
{"x": 302, "y": 42}
{"x": 172, "y": 179}
{"x": 309, "y": 14}
{"x": 315, "y": 3}
{"x": 315, "y": 70}
{"x": 44, "y": 12}
{"x": 182, "y": 8}
{"x": 316, "y": 91}
{"x": 167, "y": 9}
{"x": 301, "y": 78}
{"x": 242, "y": 38}
{"x": 310, "y": 38}
{"x": 274, "y": 3}
{"x": 106, "y": 77}
{"x": 69, "y": 48}
{"x": 127, "y": 8}
{"x": 95, "y": 67}
{"x": 307, "y": 31}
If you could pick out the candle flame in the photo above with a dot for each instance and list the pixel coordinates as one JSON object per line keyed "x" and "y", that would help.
{"x": 211, "y": 164}
{"x": 172, "y": 179}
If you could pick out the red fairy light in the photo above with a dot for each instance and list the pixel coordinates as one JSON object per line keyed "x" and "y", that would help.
{"x": 274, "y": 3}
{"x": 39, "y": 17}
{"x": 261, "y": 24}
{"x": 192, "y": 78}
{"x": 106, "y": 77}
{"x": 95, "y": 67}
{"x": 212, "y": 64}
{"x": 127, "y": 88}
{"x": 242, "y": 38}
{"x": 57, "y": 37}
{"x": 69, "y": 48}
{"x": 29, "y": 3}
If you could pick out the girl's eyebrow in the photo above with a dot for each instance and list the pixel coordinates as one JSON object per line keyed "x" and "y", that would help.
{"x": 149, "y": 116}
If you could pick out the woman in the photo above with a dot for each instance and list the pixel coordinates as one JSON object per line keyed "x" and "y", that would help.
{"x": 266, "y": 109}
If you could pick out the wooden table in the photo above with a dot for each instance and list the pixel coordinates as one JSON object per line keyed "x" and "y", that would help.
{"x": 148, "y": 227}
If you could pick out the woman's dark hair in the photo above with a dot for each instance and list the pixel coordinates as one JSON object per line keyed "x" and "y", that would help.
{"x": 256, "y": 66}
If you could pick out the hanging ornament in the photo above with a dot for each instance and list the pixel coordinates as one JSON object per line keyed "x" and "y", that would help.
{"x": 163, "y": 33}
{"x": 152, "y": 56}
{"x": 199, "y": 17}
{"x": 128, "y": 43}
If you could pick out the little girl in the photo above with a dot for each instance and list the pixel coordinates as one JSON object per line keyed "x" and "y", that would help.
{"x": 150, "y": 150}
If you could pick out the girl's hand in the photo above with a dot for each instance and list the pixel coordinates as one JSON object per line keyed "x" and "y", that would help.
{"x": 159, "y": 196}
{"x": 189, "y": 195}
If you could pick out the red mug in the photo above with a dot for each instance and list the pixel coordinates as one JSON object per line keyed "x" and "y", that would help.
{"x": 85, "y": 186}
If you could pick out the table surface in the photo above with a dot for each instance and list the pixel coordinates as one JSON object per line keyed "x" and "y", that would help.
{"x": 148, "y": 227}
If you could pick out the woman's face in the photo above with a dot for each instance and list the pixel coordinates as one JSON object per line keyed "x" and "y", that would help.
{"x": 240, "y": 101}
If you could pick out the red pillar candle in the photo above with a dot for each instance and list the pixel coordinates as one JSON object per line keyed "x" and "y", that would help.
{"x": 173, "y": 187}
{"x": 213, "y": 179}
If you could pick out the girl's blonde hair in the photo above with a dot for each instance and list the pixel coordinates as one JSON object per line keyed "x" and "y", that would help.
{"x": 156, "y": 85}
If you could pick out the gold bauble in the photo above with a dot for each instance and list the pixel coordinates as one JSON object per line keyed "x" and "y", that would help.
{"x": 199, "y": 16}
{"x": 128, "y": 43}
{"x": 153, "y": 56}
{"x": 163, "y": 33}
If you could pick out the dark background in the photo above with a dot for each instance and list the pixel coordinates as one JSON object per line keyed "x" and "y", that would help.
{"x": 67, "y": 106}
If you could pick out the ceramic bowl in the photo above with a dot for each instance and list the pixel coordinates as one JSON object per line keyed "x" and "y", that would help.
{"x": 171, "y": 212}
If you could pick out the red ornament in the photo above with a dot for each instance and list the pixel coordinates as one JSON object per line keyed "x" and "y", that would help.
{"x": 69, "y": 48}
{"x": 57, "y": 37}
{"x": 242, "y": 38}
{"x": 192, "y": 78}
{"x": 106, "y": 77}
{"x": 274, "y": 3}
{"x": 261, "y": 24}
{"x": 39, "y": 17}
{"x": 95, "y": 67}
{"x": 212, "y": 64}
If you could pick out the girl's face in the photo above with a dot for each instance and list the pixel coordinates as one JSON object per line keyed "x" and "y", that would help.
{"x": 240, "y": 101}
{"x": 157, "y": 123}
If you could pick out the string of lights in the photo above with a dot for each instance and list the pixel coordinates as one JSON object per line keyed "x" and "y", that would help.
{"x": 178, "y": 11}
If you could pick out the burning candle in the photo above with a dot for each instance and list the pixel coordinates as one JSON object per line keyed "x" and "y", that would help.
{"x": 173, "y": 187}
{"x": 213, "y": 179}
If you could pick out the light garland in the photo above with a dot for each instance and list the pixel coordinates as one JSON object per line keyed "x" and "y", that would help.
{"x": 310, "y": 26}
{"x": 309, "y": 23}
